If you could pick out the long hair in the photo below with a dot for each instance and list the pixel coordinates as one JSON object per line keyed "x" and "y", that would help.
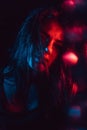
{"x": 57, "y": 86}
{"x": 29, "y": 35}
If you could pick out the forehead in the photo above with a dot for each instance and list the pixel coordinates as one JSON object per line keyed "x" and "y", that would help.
{"x": 53, "y": 29}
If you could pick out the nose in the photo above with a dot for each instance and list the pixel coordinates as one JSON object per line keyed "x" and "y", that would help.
{"x": 49, "y": 48}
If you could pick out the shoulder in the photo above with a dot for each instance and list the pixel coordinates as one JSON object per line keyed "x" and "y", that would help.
{"x": 5, "y": 72}
{"x": 9, "y": 82}
{"x": 7, "y": 76}
{"x": 7, "y": 69}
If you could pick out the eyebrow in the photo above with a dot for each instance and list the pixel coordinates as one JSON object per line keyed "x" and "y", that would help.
{"x": 57, "y": 41}
{"x": 45, "y": 33}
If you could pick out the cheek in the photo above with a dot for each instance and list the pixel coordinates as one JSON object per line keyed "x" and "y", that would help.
{"x": 55, "y": 53}
{"x": 53, "y": 56}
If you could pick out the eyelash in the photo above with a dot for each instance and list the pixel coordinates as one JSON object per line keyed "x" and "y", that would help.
{"x": 57, "y": 46}
{"x": 46, "y": 39}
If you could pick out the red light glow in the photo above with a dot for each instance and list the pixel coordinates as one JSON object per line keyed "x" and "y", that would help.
{"x": 68, "y": 3}
{"x": 70, "y": 58}
{"x": 74, "y": 89}
{"x": 85, "y": 50}
{"x": 71, "y": 2}
{"x": 14, "y": 108}
{"x": 74, "y": 34}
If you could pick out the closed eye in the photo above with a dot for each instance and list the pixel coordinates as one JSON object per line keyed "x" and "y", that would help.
{"x": 45, "y": 38}
{"x": 58, "y": 44}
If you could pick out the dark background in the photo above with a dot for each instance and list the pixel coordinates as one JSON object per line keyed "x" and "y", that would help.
{"x": 12, "y": 14}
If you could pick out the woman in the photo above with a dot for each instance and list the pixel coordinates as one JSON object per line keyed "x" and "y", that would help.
{"x": 35, "y": 84}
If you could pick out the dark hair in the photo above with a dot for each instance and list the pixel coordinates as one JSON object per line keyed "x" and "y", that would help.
{"x": 28, "y": 34}
{"x": 57, "y": 86}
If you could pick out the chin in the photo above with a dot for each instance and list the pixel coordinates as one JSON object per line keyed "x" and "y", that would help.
{"x": 41, "y": 68}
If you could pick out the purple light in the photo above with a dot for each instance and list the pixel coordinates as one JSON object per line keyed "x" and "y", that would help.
{"x": 75, "y": 112}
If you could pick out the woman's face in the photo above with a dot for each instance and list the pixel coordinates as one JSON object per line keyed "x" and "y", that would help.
{"x": 51, "y": 38}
